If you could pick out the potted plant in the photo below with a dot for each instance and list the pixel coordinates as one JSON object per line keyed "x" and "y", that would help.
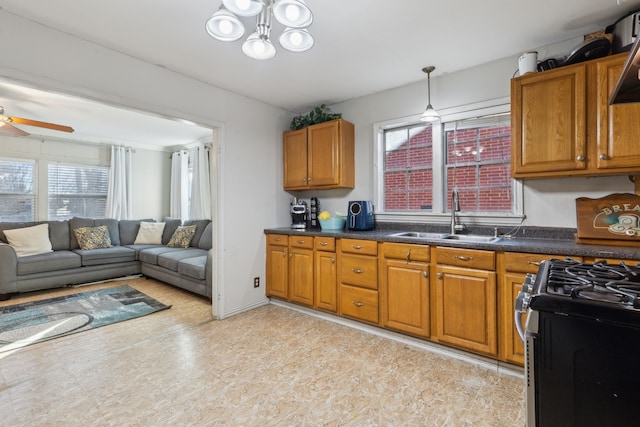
{"x": 319, "y": 114}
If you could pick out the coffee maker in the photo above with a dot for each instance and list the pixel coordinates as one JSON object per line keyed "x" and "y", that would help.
{"x": 299, "y": 212}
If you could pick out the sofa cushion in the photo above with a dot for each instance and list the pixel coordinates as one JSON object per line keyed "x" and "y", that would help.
{"x": 52, "y": 261}
{"x": 93, "y": 237}
{"x": 182, "y": 237}
{"x": 129, "y": 230}
{"x": 11, "y": 226}
{"x": 149, "y": 233}
{"x": 75, "y": 223}
{"x": 205, "y": 239}
{"x": 59, "y": 235}
{"x": 112, "y": 226}
{"x": 171, "y": 225}
{"x": 111, "y": 255}
{"x": 200, "y": 224}
{"x": 150, "y": 255}
{"x": 170, "y": 260}
{"x": 193, "y": 267}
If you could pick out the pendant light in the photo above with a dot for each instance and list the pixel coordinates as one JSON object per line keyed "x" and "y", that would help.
{"x": 429, "y": 114}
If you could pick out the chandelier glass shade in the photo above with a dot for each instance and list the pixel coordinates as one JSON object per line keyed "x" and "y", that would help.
{"x": 225, "y": 25}
{"x": 430, "y": 114}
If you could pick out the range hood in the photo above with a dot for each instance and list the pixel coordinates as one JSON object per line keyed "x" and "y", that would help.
{"x": 627, "y": 89}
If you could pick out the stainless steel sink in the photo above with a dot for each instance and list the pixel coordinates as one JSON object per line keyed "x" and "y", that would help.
{"x": 445, "y": 236}
{"x": 471, "y": 238}
{"x": 420, "y": 235}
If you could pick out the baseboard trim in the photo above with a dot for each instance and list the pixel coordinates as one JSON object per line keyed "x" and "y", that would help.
{"x": 243, "y": 309}
{"x": 485, "y": 362}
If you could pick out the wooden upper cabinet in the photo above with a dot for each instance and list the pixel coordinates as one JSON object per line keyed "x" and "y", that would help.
{"x": 618, "y": 135}
{"x": 548, "y": 113}
{"x": 320, "y": 156}
{"x": 562, "y": 124}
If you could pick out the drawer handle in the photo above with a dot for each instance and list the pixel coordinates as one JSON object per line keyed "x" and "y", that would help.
{"x": 408, "y": 258}
{"x": 357, "y": 246}
{"x": 300, "y": 242}
{"x": 277, "y": 239}
{"x": 357, "y": 270}
{"x": 358, "y": 303}
{"x": 323, "y": 243}
{"x": 463, "y": 257}
{"x": 536, "y": 263}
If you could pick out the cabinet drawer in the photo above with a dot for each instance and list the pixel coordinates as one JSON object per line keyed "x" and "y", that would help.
{"x": 278, "y": 239}
{"x": 301, "y": 242}
{"x": 355, "y": 246}
{"x": 471, "y": 258}
{"x": 324, "y": 244}
{"x": 359, "y": 270}
{"x": 410, "y": 253}
{"x": 525, "y": 263}
{"x": 359, "y": 303}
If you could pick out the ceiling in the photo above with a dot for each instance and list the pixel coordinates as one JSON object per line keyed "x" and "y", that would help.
{"x": 361, "y": 47}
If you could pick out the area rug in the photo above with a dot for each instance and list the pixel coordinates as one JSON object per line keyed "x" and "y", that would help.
{"x": 32, "y": 322}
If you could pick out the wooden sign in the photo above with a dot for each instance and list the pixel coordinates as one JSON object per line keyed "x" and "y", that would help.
{"x": 610, "y": 220}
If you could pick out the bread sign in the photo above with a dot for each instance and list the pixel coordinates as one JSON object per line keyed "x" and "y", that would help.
{"x": 615, "y": 217}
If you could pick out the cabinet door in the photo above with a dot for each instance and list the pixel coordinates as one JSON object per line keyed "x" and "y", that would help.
{"x": 512, "y": 347}
{"x": 324, "y": 154}
{"x": 301, "y": 276}
{"x": 548, "y": 114}
{"x": 326, "y": 281}
{"x": 295, "y": 159}
{"x": 618, "y": 125}
{"x": 466, "y": 309}
{"x": 404, "y": 296}
{"x": 277, "y": 271}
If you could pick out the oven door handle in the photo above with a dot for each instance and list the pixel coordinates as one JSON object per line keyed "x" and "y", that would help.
{"x": 517, "y": 317}
{"x": 520, "y": 307}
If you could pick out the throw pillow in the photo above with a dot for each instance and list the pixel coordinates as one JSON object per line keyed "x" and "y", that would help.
{"x": 93, "y": 237}
{"x": 29, "y": 240}
{"x": 149, "y": 233}
{"x": 182, "y": 236}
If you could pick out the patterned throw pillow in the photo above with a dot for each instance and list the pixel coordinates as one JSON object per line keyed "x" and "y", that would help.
{"x": 182, "y": 236}
{"x": 93, "y": 237}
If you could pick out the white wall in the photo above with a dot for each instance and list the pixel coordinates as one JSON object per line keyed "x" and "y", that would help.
{"x": 549, "y": 202}
{"x": 249, "y": 192}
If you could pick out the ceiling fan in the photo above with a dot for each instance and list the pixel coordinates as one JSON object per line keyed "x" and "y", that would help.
{"x": 7, "y": 125}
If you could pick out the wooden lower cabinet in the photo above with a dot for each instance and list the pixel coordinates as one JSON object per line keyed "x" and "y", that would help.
{"x": 358, "y": 277}
{"x": 404, "y": 288}
{"x": 325, "y": 274}
{"x": 301, "y": 270}
{"x": 466, "y": 301}
{"x": 277, "y": 268}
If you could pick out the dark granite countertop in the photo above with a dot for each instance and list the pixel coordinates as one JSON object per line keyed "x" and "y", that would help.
{"x": 552, "y": 241}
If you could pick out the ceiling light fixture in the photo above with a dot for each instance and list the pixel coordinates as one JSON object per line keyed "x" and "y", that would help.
{"x": 429, "y": 114}
{"x": 225, "y": 25}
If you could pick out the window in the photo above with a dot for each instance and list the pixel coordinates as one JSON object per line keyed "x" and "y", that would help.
{"x": 77, "y": 191}
{"x": 469, "y": 150}
{"x": 17, "y": 197}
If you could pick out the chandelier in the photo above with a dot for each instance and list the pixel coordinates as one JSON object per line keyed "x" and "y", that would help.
{"x": 225, "y": 25}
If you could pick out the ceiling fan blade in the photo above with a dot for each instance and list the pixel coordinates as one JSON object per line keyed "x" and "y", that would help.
{"x": 11, "y": 130}
{"x": 21, "y": 121}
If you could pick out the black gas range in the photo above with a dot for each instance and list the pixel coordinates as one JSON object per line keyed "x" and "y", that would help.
{"x": 582, "y": 343}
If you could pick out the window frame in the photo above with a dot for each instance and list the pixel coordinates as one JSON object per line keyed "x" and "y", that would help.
{"x": 78, "y": 195}
{"x": 439, "y": 213}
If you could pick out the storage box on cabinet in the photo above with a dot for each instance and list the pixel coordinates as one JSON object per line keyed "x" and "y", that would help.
{"x": 404, "y": 288}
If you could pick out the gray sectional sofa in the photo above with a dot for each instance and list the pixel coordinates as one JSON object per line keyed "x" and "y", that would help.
{"x": 67, "y": 264}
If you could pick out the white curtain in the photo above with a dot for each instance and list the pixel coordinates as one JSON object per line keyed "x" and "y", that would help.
{"x": 119, "y": 198}
{"x": 179, "y": 193}
{"x": 200, "y": 206}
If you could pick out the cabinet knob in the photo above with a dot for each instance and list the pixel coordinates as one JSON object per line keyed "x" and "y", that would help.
{"x": 425, "y": 274}
{"x": 604, "y": 157}
{"x": 284, "y": 254}
{"x": 357, "y": 270}
{"x": 358, "y": 303}
{"x": 439, "y": 275}
{"x": 333, "y": 260}
{"x": 580, "y": 158}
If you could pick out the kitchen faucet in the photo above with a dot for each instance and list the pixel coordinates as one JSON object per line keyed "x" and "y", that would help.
{"x": 455, "y": 207}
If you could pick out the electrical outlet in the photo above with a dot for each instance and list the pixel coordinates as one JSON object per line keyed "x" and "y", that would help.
{"x": 256, "y": 282}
